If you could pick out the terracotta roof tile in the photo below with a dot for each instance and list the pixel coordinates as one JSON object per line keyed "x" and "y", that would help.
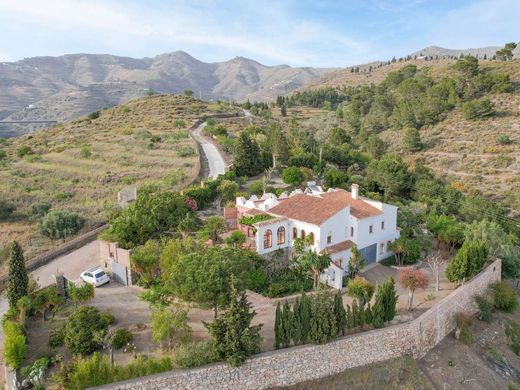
{"x": 308, "y": 208}
{"x": 358, "y": 207}
{"x": 339, "y": 247}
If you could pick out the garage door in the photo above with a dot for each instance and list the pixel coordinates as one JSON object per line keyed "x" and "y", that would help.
{"x": 369, "y": 253}
{"x": 119, "y": 274}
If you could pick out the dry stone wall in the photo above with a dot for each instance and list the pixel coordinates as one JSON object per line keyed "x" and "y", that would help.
{"x": 297, "y": 364}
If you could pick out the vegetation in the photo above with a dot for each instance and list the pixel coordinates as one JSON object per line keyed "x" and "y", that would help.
{"x": 478, "y": 109}
{"x": 81, "y": 328}
{"x": 412, "y": 280}
{"x": 505, "y": 297}
{"x": 170, "y": 324}
{"x": 196, "y": 354}
{"x": 468, "y": 261}
{"x": 464, "y": 322}
{"x": 513, "y": 336}
{"x": 17, "y": 282}
{"x": 82, "y": 294}
{"x": 485, "y": 308}
{"x": 60, "y": 224}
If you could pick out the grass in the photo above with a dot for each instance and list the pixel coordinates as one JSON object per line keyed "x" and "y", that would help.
{"x": 136, "y": 143}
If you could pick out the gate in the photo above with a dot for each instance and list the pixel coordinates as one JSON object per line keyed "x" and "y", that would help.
{"x": 119, "y": 274}
{"x": 369, "y": 253}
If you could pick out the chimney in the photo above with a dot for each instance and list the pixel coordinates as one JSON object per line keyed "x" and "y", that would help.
{"x": 354, "y": 191}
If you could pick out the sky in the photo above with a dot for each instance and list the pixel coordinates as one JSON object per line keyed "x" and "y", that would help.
{"x": 293, "y": 32}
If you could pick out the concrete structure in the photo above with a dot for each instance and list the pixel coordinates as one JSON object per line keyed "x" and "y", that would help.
{"x": 293, "y": 365}
{"x": 335, "y": 220}
{"x": 116, "y": 262}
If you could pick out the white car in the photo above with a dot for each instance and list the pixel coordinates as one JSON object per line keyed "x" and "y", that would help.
{"x": 95, "y": 276}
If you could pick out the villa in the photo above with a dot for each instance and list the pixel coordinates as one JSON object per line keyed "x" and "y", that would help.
{"x": 336, "y": 220}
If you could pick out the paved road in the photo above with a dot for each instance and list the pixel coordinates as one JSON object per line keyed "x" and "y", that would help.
{"x": 217, "y": 165}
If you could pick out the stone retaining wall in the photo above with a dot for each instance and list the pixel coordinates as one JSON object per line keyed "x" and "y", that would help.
{"x": 297, "y": 364}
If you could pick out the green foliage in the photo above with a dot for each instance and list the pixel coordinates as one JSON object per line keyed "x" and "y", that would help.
{"x": 384, "y": 308}
{"x": 17, "y": 281}
{"x": 236, "y": 239}
{"x": 3, "y": 154}
{"x": 505, "y": 297}
{"x": 323, "y": 327}
{"x": 390, "y": 173}
{"x": 232, "y": 337}
{"x": 85, "y": 152}
{"x": 361, "y": 289}
{"x": 503, "y": 139}
{"x": 170, "y": 324}
{"x": 278, "y": 330}
{"x": 97, "y": 370}
{"x": 412, "y": 140}
{"x": 334, "y": 178}
{"x": 60, "y": 224}
{"x": 406, "y": 250}
{"x": 107, "y": 318}
{"x": 378, "y": 312}
{"x": 82, "y": 294}
{"x": 464, "y": 322}
{"x": 308, "y": 260}
{"x": 478, "y": 109}
{"x": 80, "y": 328}
{"x": 248, "y": 161}
{"x": 513, "y": 336}
{"x": 39, "y": 209}
{"x": 250, "y": 220}
{"x": 93, "y": 115}
{"x": 213, "y": 227}
{"x": 506, "y": 53}
{"x": 293, "y": 176}
{"x": 485, "y": 308}
{"x": 23, "y": 151}
{"x": 121, "y": 338}
{"x": 195, "y": 354}
{"x": 15, "y": 344}
{"x": 468, "y": 261}
{"x": 340, "y": 313}
{"x": 6, "y": 209}
{"x": 185, "y": 151}
{"x": 56, "y": 338}
{"x": 145, "y": 261}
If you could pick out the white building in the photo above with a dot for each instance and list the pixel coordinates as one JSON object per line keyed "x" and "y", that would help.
{"x": 336, "y": 220}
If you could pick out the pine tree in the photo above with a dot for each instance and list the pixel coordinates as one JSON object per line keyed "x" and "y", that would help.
{"x": 305, "y": 318}
{"x": 296, "y": 334}
{"x": 350, "y": 318}
{"x": 18, "y": 280}
{"x": 355, "y": 314}
{"x": 277, "y": 326}
{"x": 339, "y": 313}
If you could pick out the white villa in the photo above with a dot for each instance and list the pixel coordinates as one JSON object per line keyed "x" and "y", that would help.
{"x": 336, "y": 220}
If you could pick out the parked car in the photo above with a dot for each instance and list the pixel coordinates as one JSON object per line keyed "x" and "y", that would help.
{"x": 95, "y": 276}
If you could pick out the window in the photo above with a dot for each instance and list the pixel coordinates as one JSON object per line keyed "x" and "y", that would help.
{"x": 329, "y": 239}
{"x": 382, "y": 248}
{"x": 351, "y": 232}
{"x": 303, "y": 234}
{"x": 294, "y": 233}
{"x": 311, "y": 238}
{"x": 268, "y": 239}
{"x": 280, "y": 235}
{"x": 371, "y": 229}
{"x": 382, "y": 225}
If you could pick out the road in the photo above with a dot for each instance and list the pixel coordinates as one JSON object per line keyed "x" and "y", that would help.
{"x": 216, "y": 163}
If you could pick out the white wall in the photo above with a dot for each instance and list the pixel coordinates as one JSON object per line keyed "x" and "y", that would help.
{"x": 274, "y": 229}
{"x": 338, "y": 226}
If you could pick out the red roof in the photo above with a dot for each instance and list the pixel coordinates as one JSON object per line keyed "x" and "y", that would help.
{"x": 358, "y": 207}
{"x": 339, "y": 247}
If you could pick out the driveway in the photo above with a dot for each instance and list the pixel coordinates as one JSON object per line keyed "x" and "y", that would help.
{"x": 216, "y": 163}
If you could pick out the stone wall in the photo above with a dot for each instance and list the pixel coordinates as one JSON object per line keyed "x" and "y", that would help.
{"x": 297, "y": 364}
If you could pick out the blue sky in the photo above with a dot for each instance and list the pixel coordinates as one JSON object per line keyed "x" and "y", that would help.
{"x": 300, "y": 32}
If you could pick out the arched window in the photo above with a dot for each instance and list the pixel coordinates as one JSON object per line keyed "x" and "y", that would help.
{"x": 280, "y": 235}
{"x": 268, "y": 239}
{"x": 294, "y": 233}
{"x": 311, "y": 238}
{"x": 303, "y": 234}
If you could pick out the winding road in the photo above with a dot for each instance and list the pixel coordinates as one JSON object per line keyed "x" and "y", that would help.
{"x": 216, "y": 162}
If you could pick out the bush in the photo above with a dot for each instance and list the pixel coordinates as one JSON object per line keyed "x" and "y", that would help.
{"x": 85, "y": 152}
{"x": 478, "y": 109}
{"x": 485, "y": 308}
{"x": 505, "y": 297}
{"x": 23, "y": 150}
{"x": 6, "y": 209}
{"x": 80, "y": 329}
{"x": 56, "y": 338}
{"x": 503, "y": 139}
{"x": 121, "y": 338}
{"x": 107, "y": 318}
{"x": 3, "y": 154}
{"x": 60, "y": 224}
{"x": 464, "y": 322}
{"x": 39, "y": 209}
{"x": 93, "y": 115}
{"x": 15, "y": 344}
{"x": 194, "y": 355}
{"x": 185, "y": 151}
{"x": 513, "y": 336}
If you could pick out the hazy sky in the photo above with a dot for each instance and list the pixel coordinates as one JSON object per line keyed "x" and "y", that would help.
{"x": 299, "y": 32}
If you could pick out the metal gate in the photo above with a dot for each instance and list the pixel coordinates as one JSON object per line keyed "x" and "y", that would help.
{"x": 369, "y": 253}
{"x": 119, "y": 274}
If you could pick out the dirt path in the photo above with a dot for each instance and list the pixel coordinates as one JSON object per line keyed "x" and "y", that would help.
{"x": 216, "y": 162}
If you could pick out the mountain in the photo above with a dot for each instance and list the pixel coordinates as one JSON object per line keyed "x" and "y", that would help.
{"x": 65, "y": 87}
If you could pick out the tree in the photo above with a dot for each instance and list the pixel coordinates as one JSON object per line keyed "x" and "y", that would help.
{"x": 435, "y": 261}
{"x": 296, "y": 325}
{"x": 478, "y": 109}
{"x": 293, "y": 176}
{"x": 106, "y": 338}
{"x": 205, "y": 277}
{"x": 232, "y": 337}
{"x": 412, "y": 140}
{"x": 506, "y": 53}
{"x": 467, "y": 66}
{"x": 236, "y": 239}
{"x": 310, "y": 261}
{"x": 305, "y": 317}
{"x": 278, "y": 327}
{"x": 356, "y": 262}
{"x": 188, "y": 92}
{"x": 412, "y": 279}
{"x": 213, "y": 227}
{"x": 145, "y": 261}
{"x": 227, "y": 190}
{"x": 23, "y": 305}
{"x": 446, "y": 229}
{"x": 361, "y": 289}
{"x": 80, "y": 329}
{"x": 468, "y": 261}
{"x": 82, "y": 294}
{"x": 283, "y": 110}
{"x": 323, "y": 327}
{"x": 6, "y": 209}
{"x": 378, "y": 311}
{"x": 286, "y": 324}
{"x": 17, "y": 281}
{"x": 340, "y": 313}
{"x": 248, "y": 161}
{"x": 47, "y": 299}
{"x": 389, "y": 298}
{"x": 60, "y": 224}
{"x": 15, "y": 344}
{"x": 170, "y": 324}
{"x": 391, "y": 175}
{"x": 406, "y": 250}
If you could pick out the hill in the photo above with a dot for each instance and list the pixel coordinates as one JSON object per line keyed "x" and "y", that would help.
{"x": 79, "y": 166}
{"x": 66, "y": 87}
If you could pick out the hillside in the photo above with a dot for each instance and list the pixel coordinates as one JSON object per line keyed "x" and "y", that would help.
{"x": 81, "y": 165}
{"x": 61, "y": 88}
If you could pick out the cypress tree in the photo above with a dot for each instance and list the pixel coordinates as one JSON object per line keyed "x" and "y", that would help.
{"x": 355, "y": 314}
{"x": 390, "y": 299}
{"x": 368, "y": 314}
{"x": 378, "y": 312}
{"x": 339, "y": 313}
{"x": 361, "y": 316}
{"x": 277, "y": 326}
{"x": 286, "y": 325}
{"x": 296, "y": 323}
{"x": 350, "y": 318}
{"x": 305, "y": 318}
{"x": 248, "y": 161}
{"x": 18, "y": 280}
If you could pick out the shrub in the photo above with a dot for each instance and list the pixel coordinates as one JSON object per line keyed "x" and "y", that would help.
{"x": 513, "y": 336}
{"x": 6, "y": 209}
{"x": 23, "y": 150}
{"x": 185, "y": 151}
{"x": 464, "y": 322}
{"x": 39, "y": 209}
{"x": 107, "y": 318}
{"x": 505, "y": 297}
{"x": 93, "y": 115}
{"x": 15, "y": 344}
{"x": 3, "y": 154}
{"x": 80, "y": 329}
{"x": 56, "y": 338}
{"x": 485, "y": 308}
{"x": 503, "y": 139}
{"x": 85, "y": 152}
{"x": 194, "y": 355}
{"x": 60, "y": 224}
{"x": 121, "y": 338}
{"x": 478, "y": 109}
{"x": 293, "y": 176}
